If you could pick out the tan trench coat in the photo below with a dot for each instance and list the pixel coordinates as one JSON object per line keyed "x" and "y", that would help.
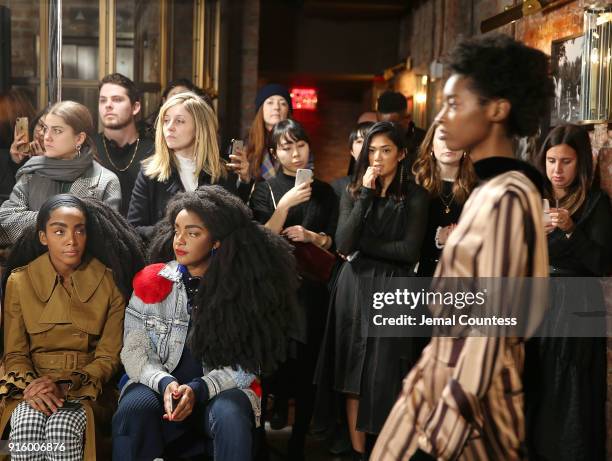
{"x": 73, "y": 334}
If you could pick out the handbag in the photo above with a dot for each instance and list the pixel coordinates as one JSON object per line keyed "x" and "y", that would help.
{"x": 313, "y": 262}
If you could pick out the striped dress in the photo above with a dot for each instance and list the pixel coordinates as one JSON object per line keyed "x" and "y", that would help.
{"x": 464, "y": 398}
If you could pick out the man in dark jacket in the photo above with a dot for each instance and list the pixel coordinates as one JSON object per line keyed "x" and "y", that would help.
{"x": 121, "y": 147}
{"x": 392, "y": 107}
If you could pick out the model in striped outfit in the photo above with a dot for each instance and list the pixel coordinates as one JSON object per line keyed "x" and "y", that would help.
{"x": 464, "y": 398}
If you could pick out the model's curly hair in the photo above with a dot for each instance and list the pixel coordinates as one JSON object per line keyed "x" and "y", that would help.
{"x": 500, "y": 67}
{"x": 110, "y": 239}
{"x": 247, "y": 298}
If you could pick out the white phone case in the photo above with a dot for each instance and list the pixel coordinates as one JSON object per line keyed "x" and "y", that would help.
{"x": 302, "y": 175}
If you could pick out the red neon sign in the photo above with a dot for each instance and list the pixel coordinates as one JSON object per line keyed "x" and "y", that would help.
{"x": 304, "y": 98}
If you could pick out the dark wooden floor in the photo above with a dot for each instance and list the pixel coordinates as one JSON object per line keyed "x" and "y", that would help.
{"x": 316, "y": 449}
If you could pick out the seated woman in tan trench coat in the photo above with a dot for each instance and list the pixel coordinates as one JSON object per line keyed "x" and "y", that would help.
{"x": 63, "y": 316}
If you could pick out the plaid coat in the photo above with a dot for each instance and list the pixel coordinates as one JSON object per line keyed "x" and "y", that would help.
{"x": 17, "y": 213}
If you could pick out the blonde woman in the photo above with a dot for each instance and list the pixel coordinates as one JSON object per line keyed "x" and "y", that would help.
{"x": 186, "y": 156}
{"x": 66, "y": 166}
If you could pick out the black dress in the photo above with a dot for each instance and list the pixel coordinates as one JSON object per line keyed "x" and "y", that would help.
{"x": 388, "y": 234}
{"x": 565, "y": 378}
{"x": 319, "y": 214}
{"x": 438, "y": 217}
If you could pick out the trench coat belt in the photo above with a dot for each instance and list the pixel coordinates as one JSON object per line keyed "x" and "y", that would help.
{"x": 68, "y": 360}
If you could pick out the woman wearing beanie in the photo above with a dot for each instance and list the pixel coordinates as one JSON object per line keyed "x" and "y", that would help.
{"x": 67, "y": 166}
{"x": 273, "y": 104}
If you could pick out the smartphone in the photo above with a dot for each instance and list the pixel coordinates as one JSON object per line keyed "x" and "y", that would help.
{"x": 303, "y": 175}
{"x": 237, "y": 144}
{"x": 70, "y": 405}
{"x": 21, "y": 126}
{"x": 546, "y": 210}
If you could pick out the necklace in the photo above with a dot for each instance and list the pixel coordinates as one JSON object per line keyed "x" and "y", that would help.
{"x": 447, "y": 203}
{"x": 111, "y": 160}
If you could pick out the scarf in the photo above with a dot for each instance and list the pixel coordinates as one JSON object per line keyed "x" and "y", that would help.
{"x": 50, "y": 173}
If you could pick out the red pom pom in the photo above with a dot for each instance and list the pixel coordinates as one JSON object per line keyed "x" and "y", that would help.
{"x": 150, "y": 286}
{"x": 256, "y": 387}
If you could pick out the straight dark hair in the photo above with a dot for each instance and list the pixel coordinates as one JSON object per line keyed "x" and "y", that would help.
{"x": 397, "y": 189}
{"x": 287, "y": 129}
{"x": 578, "y": 139}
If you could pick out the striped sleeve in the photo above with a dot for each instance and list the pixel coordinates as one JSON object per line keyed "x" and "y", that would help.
{"x": 459, "y": 413}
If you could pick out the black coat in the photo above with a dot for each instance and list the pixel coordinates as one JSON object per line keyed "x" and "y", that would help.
{"x": 123, "y": 157}
{"x": 565, "y": 377}
{"x": 150, "y": 197}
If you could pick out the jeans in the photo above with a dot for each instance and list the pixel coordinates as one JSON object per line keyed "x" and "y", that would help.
{"x": 223, "y": 426}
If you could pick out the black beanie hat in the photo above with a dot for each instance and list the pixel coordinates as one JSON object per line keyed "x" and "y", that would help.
{"x": 392, "y": 101}
{"x": 272, "y": 89}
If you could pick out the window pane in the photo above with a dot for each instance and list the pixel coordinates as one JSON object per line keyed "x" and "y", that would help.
{"x": 138, "y": 46}
{"x": 80, "y": 39}
{"x": 80, "y": 52}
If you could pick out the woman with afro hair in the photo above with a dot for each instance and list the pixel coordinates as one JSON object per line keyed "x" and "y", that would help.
{"x": 204, "y": 321}
{"x": 464, "y": 398}
{"x": 67, "y": 283}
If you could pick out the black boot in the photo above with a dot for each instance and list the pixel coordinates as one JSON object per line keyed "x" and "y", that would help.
{"x": 280, "y": 413}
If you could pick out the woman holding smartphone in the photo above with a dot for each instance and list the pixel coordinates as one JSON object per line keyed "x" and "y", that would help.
{"x": 204, "y": 321}
{"x": 67, "y": 165}
{"x": 383, "y": 217}
{"x": 305, "y": 213}
{"x": 571, "y": 369}
{"x": 186, "y": 156}
{"x": 68, "y": 280}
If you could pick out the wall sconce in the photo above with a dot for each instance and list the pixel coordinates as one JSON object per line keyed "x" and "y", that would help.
{"x": 420, "y": 100}
{"x": 596, "y": 77}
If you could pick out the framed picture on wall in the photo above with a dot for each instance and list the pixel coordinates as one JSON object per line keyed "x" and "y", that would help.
{"x": 566, "y": 63}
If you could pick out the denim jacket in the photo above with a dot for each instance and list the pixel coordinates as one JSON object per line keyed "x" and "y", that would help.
{"x": 155, "y": 332}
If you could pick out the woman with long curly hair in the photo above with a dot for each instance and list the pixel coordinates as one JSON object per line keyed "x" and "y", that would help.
{"x": 449, "y": 178}
{"x": 200, "y": 328}
{"x": 68, "y": 280}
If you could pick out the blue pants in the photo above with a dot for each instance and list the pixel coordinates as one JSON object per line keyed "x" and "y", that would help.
{"x": 223, "y": 427}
